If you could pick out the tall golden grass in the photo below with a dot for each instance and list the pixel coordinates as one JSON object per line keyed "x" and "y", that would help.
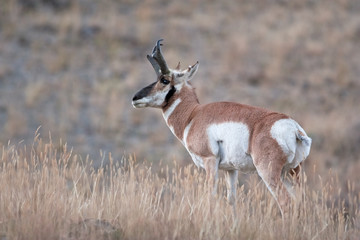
{"x": 47, "y": 193}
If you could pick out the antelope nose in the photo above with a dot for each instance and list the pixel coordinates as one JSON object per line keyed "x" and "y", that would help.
{"x": 136, "y": 97}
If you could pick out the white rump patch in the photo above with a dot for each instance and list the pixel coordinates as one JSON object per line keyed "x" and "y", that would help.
{"x": 285, "y": 132}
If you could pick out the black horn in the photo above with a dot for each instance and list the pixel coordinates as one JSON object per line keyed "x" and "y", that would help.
{"x": 154, "y": 64}
{"x": 157, "y": 60}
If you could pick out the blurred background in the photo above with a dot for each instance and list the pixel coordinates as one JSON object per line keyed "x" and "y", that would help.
{"x": 73, "y": 66}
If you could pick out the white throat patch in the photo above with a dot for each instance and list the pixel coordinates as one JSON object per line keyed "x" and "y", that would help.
{"x": 171, "y": 109}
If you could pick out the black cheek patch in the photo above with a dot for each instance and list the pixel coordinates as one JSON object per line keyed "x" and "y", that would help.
{"x": 170, "y": 94}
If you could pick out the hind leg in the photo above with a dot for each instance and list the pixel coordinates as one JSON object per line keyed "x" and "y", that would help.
{"x": 269, "y": 167}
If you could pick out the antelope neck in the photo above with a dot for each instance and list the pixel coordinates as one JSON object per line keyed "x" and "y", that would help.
{"x": 177, "y": 113}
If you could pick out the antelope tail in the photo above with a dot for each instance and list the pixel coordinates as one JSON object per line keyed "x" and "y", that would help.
{"x": 302, "y": 137}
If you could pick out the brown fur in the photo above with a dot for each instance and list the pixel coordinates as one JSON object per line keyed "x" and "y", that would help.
{"x": 258, "y": 120}
{"x": 181, "y": 117}
{"x": 263, "y": 148}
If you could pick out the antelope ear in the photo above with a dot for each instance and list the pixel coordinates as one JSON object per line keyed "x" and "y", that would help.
{"x": 191, "y": 70}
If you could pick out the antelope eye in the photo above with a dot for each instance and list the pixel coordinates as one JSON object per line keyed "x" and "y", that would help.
{"x": 164, "y": 81}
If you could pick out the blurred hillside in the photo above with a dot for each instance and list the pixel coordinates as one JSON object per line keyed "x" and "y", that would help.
{"x": 73, "y": 66}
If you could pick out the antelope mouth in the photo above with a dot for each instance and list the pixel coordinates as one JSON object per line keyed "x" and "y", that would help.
{"x": 138, "y": 104}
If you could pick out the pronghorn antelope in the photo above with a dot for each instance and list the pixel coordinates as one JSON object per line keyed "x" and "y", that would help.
{"x": 227, "y": 135}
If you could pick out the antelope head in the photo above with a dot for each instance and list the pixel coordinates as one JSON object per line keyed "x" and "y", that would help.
{"x": 168, "y": 83}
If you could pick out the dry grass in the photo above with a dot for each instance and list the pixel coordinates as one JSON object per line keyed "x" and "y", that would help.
{"x": 47, "y": 193}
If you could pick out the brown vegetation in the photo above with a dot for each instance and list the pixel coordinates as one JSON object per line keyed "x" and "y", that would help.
{"x": 48, "y": 193}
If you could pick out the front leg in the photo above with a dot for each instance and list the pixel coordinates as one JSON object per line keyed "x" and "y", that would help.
{"x": 231, "y": 179}
{"x": 211, "y": 165}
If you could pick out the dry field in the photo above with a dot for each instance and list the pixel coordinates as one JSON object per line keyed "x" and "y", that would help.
{"x": 72, "y": 67}
{"x": 51, "y": 194}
